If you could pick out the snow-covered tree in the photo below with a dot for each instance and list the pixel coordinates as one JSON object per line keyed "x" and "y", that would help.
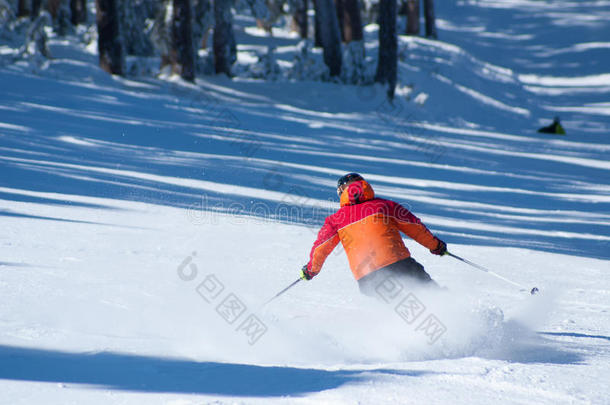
{"x": 370, "y": 11}
{"x": 7, "y": 14}
{"x": 160, "y": 34}
{"x": 330, "y": 36}
{"x": 306, "y": 66}
{"x": 430, "y": 19}
{"x": 225, "y": 48}
{"x": 36, "y": 37}
{"x": 354, "y": 69}
{"x": 110, "y": 41}
{"x": 388, "y": 44}
{"x": 266, "y": 67}
{"x": 182, "y": 55}
{"x": 62, "y": 23}
{"x": 61, "y": 13}
{"x": 135, "y": 15}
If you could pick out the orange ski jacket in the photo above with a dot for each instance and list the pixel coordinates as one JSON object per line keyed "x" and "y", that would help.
{"x": 369, "y": 230}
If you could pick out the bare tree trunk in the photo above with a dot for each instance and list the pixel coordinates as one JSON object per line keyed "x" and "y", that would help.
{"x": 79, "y": 11}
{"x": 300, "y": 19}
{"x": 388, "y": 44}
{"x": 224, "y": 39}
{"x": 182, "y": 53}
{"x": 204, "y": 40}
{"x": 266, "y": 26}
{"x": 23, "y": 8}
{"x": 412, "y": 17}
{"x": 36, "y": 5}
{"x": 329, "y": 35}
{"x": 352, "y": 22}
{"x": 202, "y": 22}
{"x": 317, "y": 42}
{"x": 109, "y": 43}
{"x": 340, "y": 10}
{"x": 430, "y": 20}
{"x": 161, "y": 33}
{"x": 53, "y": 6}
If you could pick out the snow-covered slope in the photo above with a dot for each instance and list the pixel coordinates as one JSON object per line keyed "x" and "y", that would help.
{"x": 134, "y": 210}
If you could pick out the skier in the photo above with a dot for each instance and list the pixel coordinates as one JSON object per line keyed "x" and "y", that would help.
{"x": 369, "y": 230}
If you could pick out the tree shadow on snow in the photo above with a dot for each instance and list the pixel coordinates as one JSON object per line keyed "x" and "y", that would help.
{"x": 170, "y": 375}
{"x": 14, "y": 214}
{"x": 254, "y": 149}
{"x": 574, "y": 334}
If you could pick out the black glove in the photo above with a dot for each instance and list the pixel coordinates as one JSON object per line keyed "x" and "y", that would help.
{"x": 305, "y": 274}
{"x": 441, "y": 249}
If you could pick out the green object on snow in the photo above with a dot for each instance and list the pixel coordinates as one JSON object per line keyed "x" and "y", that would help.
{"x": 554, "y": 128}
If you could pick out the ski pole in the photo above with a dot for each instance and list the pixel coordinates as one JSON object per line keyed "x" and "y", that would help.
{"x": 283, "y": 291}
{"x": 476, "y": 266}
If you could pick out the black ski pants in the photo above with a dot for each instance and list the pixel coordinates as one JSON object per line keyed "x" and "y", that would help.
{"x": 406, "y": 272}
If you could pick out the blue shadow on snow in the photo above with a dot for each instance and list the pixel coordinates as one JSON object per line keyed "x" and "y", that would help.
{"x": 129, "y": 372}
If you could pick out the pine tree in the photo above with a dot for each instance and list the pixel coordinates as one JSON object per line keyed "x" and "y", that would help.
{"x": 329, "y": 35}
{"x": 182, "y": 54}
{"x": 430, "y": 19}
{"x": 110, "y": 43}
{"x": 388, "y": 44}
{"x": 225, "y": 49}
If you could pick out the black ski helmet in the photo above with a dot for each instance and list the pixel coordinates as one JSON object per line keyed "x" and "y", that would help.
{"x": 348, "y": 178}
